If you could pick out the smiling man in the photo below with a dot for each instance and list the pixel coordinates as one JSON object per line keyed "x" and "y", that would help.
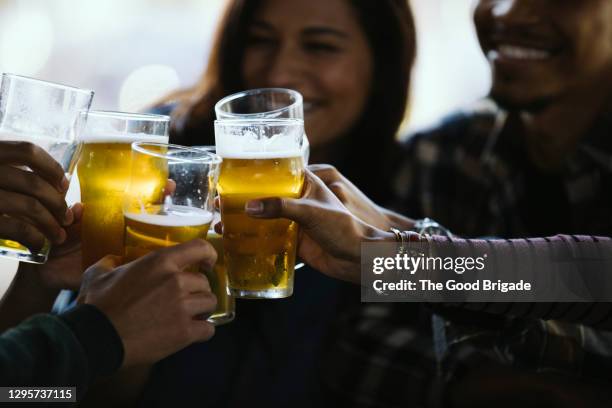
{"x": 533, "y": 160}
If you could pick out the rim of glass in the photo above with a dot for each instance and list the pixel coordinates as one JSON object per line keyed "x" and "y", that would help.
{"x": 299, "y": 99}
{"x": 56, "y": 85}
{"x": 208, "y": 148}
{"x": 259, "y": 122}
{"x": 127, "y": 115}
{"x": 206, "y": 157}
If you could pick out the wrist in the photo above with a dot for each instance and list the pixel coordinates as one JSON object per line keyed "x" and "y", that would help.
{"x": 374, "y": 234}
{"x": 395, "y": 220}
{"x": 25, "y": 297}
{"x": 31, "y": 275}
{"x": 97, "y": 334}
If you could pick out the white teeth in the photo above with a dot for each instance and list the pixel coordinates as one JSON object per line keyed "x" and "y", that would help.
{"x": 518, "y": 52}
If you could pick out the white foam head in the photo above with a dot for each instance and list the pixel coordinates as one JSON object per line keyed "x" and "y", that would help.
{"x": 177, "y": 216}
{"x": 13, "y": 136}
{"x": 259, "y": 139}
{"x": 118, "y": 137}
{"x": 123, "y": 127}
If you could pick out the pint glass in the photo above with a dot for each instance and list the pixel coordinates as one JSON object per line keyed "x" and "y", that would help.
{"x": 47, "y": 115}
{"x": 261, "y": 158}
{"x": 170, "y": 197}
{"x": 104, "y": 171}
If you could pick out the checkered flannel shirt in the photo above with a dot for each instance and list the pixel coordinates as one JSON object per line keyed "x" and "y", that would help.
{"x": 467, "y": 174}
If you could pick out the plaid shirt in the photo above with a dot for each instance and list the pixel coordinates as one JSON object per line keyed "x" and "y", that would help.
{"x": 472, "y": 175}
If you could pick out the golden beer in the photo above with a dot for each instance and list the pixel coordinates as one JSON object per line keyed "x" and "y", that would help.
{"x": 104, "y": 172}
{"x": 162, "y": 227}
{"x": 259, "y": 254}
{"x": 226, "y": 305}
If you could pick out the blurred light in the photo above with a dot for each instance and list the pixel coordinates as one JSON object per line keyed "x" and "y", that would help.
{"x": 82, "y": 21}
{"x": 146, "y": 85}
{"x": 450, "y": 71}
{"x": 26, "y": 42}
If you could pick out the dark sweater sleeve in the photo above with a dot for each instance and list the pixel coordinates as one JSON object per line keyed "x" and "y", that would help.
{"x": 575, "y": 255}
{"x": 71, "y": 349}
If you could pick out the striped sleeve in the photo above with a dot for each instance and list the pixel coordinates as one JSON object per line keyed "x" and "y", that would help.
{"x": 573, "y": 255}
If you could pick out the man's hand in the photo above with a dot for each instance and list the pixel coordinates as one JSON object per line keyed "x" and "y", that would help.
{"x": 330, "y": 236}
{"x": 357, "y": 202}
{"x": 155, "y": 305}
{"x": 32, "y": 204}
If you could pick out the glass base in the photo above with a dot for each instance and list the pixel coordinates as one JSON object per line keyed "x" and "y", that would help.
{"x": 25, "y": 256}
{"x": 261, "y": 294}
{"x": 220, "y": 320}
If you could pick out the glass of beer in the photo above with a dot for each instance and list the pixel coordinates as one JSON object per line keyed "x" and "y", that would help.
{"x": 47, "y": 115}
{"x": 261, "y": 158}
{"x": 169, "y": 198}
{"x": 264, "y": 103}
{"x": 104, "y": 170}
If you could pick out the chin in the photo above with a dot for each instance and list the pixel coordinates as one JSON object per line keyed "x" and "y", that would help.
{"x": 519, "y": 99}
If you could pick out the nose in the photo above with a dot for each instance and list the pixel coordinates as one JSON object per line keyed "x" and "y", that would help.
{"x": 286, "y": 69}
{"x": 516, "y": 12}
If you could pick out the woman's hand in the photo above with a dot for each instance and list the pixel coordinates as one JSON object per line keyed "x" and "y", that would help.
{"x": 330, "y": 236}
{"x": 357, "y": 202}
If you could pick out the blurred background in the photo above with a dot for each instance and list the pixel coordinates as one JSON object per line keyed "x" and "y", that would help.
{"x": 134, "y": 52}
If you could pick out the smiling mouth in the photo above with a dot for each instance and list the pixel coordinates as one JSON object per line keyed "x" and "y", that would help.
{"x": 519, "y": 52}
{"x": 513, "y": 52}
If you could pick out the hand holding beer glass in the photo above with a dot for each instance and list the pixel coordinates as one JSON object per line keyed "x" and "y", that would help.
{"x": 104, "y": 171}
{"x": 261, "y": 158}
{"x": 46, "y": 115}
{"x": 169, "y": 198}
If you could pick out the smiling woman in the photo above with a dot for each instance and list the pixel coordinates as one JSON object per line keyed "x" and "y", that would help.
{"x": 351, "y": 60}
{"x": 319, "y": 49}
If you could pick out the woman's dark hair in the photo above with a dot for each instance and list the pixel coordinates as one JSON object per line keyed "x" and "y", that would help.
{"x": 370, "y": 156}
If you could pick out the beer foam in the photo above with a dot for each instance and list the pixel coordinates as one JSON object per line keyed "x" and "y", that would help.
{"x": 177, "y": 216}
{"x": 244, "y": 148}
{"x": 259, "y": 155}
{"x": 121, "y": 138}
{"x": 236, "y": 142}
{"x": 37, "y": 140}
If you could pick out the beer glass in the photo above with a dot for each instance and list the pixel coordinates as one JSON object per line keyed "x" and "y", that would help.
{"x": 46, "y": 114}
{"x": 169, "y": 198}
{"x": 261, "y": 158}
{"x": 104, "y": 170}
{"x": 226, "y": 305}
{"x": 264, "y": 103}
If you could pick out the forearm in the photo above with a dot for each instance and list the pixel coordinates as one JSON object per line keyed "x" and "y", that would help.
{"x": 26, "y": 297}
{"x": 67, "y": 350}
{"x": 574, "y": 256}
